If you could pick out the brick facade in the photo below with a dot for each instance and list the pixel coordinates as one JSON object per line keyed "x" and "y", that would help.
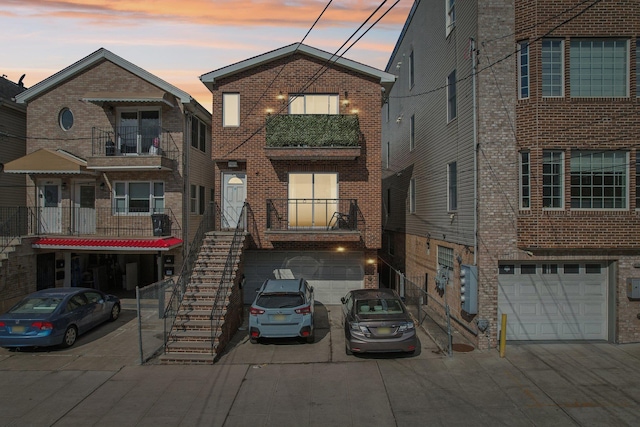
{"x": 266, "y": 88}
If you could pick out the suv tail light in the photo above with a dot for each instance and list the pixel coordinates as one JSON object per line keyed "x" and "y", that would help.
{"x": 304, "y": 310}
{"x": 254, "y": 311}
{"x": 2, "y": 325}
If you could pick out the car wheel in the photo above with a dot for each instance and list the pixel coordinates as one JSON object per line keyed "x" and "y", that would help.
{"x": 349, "y": 352}
{"x": 70, "y": 336}
{"x": 115, "y": 312}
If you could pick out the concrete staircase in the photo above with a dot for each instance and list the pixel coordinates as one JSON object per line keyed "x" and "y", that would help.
{"x": 190, "y": 340}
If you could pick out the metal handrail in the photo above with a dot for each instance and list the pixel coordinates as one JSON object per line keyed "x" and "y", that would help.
{"x": 329, "y": 215}
{"x": 226, "y": 280}
{"x": 208, "y": 223}
{"x": 127, "y": 140}
{"x": 15, "y": 222}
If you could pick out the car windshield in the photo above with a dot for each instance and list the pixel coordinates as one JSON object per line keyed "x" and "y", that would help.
{"x": 379, "y": 306}
{"x": 279, "y": 300}
{"x": 36, "y": 305}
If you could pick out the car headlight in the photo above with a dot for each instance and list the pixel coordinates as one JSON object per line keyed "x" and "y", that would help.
{"x": 404, "y": 327}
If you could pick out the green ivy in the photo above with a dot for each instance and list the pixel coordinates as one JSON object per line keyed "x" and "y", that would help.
{"x": 313, "y": 130}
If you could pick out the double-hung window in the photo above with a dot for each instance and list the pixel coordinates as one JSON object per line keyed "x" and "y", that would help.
{"x": 412, "y": 195}
{"x": 451, "y": 96}
{"x": 411, "y": 71}
{"x": 638, "y": 67}
{"x": 412, "y": 132}
{"x": 193, "y": 199}
{"x": 599, "y": 179}
{"x": 552, "y": 179}
{"x": 599, "y": 68}
{"x": 525, "y": 180}
{"x": 451, "y": 15}
{"x": 637, "y": 180}
{"x": 138, "y": 197}
{"x": 523, "y": 70}
{"x": 313, "y": 104}
{"x": 452, "y": 186}
{"x": 230, "y": 109}
{"x": 552, "y": 68}
{"x": 198, "y": 135}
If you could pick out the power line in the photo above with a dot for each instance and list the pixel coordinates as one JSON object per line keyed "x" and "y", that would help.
{"x": 322, "y": 69}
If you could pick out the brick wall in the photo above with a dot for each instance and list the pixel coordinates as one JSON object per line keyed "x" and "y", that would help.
{"x": 267, "y": 179}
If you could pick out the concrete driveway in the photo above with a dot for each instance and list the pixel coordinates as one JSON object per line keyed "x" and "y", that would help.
{"x": 288, "y": 383}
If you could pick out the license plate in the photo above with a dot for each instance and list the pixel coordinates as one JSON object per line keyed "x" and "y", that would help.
{"x": 384, "y": 331}
{"x": 279, "y": 317}
{"x": 18, "y": 329}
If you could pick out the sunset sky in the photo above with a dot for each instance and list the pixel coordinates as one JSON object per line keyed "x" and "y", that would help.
{"x": 179, "y": 40}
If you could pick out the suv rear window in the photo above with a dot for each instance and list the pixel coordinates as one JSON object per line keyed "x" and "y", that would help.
{"x": 280, "y": 300}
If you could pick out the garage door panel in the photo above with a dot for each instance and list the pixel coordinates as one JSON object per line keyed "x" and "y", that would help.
{"x": 331, "y": 274}
{"x": 554, "y": 306}
{"x": 528, "y": 309}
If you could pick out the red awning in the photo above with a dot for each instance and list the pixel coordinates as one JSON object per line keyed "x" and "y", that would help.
{"x": 152, "y": 245}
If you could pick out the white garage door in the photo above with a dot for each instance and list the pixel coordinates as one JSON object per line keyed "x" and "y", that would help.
{"x": 331, "y": 274}
{"x": 553, "y": 301}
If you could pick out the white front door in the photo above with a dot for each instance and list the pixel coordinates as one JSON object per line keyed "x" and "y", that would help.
{"x": 233, "y": 196}
{"x": 50, "y": 208}
{"x": 85, "y": 208}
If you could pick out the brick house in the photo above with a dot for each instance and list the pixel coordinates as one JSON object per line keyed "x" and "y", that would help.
{"x": 510, "y": 155}
{"x": 296, "y": 135}
{"x": 118, "y": 167}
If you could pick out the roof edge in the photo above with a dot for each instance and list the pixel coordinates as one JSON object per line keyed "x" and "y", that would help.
{"x": 91, "y": 59}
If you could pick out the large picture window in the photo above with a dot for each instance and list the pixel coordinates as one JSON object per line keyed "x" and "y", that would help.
{"x": 599, "y": 179}
{"x": 552, "y": 179}
{"x": 198, "y": 135}
{"x": 138, "y": 197}
{"x": 552, "y": 68}
{"x": 599, "y": 68}
{"x": 313, "y": 199}
{"x": 313, "y": 104}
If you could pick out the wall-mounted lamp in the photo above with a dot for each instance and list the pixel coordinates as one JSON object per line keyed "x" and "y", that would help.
{"x": 340, "y": 249}
{"x": 371, "y": 261}
{"x": 269, "y": 110}
{"x": 102, "y": 186}
{"x": 355, "y": 111}
{"x": 399, "y": 119}
{"x": 280, "y": 96}
{"x": 345, "y": 101}
{"x": 64, "y": 185}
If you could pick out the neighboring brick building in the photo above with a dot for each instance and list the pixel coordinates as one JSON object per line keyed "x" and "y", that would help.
{"x": 296, "y": 134}
{"x": 111, "y": 152}
{"x": 532, "y": 179}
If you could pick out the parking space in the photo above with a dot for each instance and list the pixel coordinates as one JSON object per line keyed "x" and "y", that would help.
{"x": 328, "y": 347}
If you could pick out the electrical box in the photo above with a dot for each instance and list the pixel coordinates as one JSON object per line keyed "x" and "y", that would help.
{"x": 633, "y": 288}
{"x": 469, "y": 288}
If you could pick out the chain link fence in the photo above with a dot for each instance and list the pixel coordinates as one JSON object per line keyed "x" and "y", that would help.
{"x": 151, "y": 303}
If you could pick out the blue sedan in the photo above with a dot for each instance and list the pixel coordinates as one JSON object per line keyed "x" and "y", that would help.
{"x": 56, "y": 316}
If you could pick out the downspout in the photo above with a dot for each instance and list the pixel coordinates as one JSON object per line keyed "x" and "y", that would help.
{"x": 475, "y": 157}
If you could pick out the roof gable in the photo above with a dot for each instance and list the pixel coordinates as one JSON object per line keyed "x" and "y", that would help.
{"x": 209, "y": 79}
{"x": 87, "y": 62}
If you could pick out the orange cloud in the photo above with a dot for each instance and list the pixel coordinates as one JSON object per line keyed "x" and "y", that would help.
{"x": 268, "y": 13}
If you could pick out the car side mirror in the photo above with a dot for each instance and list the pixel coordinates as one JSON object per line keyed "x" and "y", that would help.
{"x": 311, "y": 288}
{"x": 342, "y": 300}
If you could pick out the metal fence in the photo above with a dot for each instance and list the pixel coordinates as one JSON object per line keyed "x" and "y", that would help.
{"x": 151, "y": 303}
{"x": 416, "y": 298}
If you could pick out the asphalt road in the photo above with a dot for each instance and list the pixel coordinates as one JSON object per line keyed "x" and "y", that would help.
{"x": 100, "y": 382}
